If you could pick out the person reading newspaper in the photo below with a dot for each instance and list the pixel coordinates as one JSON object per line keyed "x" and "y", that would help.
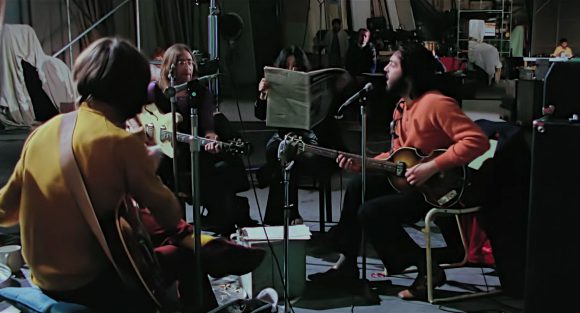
{"x": 291, "y": 58}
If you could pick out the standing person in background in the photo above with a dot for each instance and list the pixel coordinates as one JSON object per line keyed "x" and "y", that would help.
{"x": 563, "y": 50}
{"x": 336, "y": 44}
{"x": 362, "y": 55}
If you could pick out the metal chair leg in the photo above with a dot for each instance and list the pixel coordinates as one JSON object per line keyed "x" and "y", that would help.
{"x": 429, "y": 257}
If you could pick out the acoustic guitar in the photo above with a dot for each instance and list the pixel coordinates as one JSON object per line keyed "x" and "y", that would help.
{"x": 442, "y": 190}
{"x": 159, "y": 127}
{"x": 133, "y": 252}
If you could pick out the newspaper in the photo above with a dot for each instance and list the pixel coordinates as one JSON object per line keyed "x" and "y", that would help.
{"x": 299, "y": 100}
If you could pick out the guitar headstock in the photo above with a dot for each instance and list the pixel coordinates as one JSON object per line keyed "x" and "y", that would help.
{"x": 237, "y": 146}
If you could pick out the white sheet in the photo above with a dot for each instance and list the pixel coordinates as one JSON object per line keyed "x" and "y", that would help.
{"x": 485, "y": 56}
{"x": 19, "y": 43}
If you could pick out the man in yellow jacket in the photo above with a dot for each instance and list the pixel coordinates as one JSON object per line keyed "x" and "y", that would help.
{"x": 65, "y": 259}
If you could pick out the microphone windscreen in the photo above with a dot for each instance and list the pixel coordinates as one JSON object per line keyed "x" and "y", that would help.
{"x": 151, "y": 92}
{"x": 368, "y": 87}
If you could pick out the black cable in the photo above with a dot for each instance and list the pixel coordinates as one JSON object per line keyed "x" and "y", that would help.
{"x": 306, "y": 27}
{"x": 484, "y": 279}
{"x": 243, "y": 129}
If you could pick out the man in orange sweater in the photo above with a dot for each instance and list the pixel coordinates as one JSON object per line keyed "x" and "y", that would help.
{"x": 426, "y": 120}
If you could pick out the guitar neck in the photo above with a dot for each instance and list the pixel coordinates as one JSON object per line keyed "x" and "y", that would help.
{"x": 186, "y": 138}
{"x": 388, "y": 166}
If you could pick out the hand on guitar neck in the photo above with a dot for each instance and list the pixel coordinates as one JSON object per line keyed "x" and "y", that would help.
{"x": 157, "y": 127}
{"x": 213, "y": 146}
{"x": 407, "y": 169}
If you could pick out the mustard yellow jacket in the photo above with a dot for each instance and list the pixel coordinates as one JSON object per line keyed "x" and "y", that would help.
{"x": 57, "y": 243}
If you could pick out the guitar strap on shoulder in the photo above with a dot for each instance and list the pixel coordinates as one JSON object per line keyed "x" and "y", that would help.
{"x": 74, "y": 181}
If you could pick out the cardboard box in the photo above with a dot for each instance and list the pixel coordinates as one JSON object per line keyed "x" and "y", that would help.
{"x": 270, "y": 273}
{"x": 267, "y": 274}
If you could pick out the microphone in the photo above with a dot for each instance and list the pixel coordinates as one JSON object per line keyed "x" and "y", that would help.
{"x": 366, "y": 89}
{"x": 171, "y": 91}
{"x": 287, "y": 151}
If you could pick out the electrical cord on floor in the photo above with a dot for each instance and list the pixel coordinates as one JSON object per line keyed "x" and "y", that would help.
{"x": 484, "y": 279}
{"x": 248, "y": 160}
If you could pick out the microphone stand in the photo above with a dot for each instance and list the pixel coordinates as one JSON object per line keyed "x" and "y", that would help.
{"x": 363, "y": 114}
{"x": 287, "y": 207}
{"x": 367, "y": 292}
{"x": 194, "y": 148}
{"x": 213, "y": 40}
{"x": 283, "y": 156}
{"x": 171, "y": 92}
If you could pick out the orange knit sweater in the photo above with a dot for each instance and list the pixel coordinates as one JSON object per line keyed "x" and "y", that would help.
{"x": 435, "y": 121}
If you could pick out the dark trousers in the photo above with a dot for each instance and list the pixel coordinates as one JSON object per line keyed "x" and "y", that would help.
{"x": 383, "y": 217}
{"x": 220, "y": 179}
{"x": 178, "y": 263}
{"x": 304, "y": 164}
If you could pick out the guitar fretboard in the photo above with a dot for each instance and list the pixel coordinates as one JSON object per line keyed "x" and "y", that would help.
{"x": 373, "y": 163}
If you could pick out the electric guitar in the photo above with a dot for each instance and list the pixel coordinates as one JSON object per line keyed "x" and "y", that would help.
{"x": 159, "y": 127}
{"x": 442, "y": 190}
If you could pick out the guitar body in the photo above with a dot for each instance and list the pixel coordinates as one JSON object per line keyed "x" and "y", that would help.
{"x": 134, "y": 254}
{"x": 151, "y": 117}
{"x": 442, "y": 190}
{"x": 159, "y": 127}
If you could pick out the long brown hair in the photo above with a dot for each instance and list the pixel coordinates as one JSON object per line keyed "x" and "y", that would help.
{"x": 170, "y": 57}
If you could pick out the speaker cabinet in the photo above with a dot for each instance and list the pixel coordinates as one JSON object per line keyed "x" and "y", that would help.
{"x": 529, "y": 101}
{"x": 553, "y": 271}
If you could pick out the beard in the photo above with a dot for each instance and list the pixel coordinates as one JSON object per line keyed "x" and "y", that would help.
{"x": 397, "y": 86}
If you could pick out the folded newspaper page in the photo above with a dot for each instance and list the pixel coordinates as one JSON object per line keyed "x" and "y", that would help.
{"x": 299, "y": 100}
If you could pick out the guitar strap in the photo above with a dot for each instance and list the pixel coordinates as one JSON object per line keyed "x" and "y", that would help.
{"x": 74, "y": 181}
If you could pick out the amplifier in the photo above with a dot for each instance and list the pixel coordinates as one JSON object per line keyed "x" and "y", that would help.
{"x": 552, "y": 271}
